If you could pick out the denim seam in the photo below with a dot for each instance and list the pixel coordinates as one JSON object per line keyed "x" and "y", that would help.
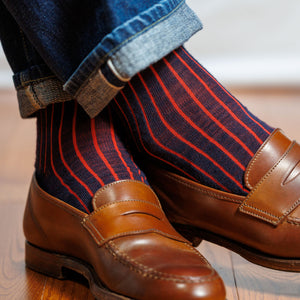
{"x": 35, "y": 96}
{"x": 102, "y": 60}
{"x": 25, "y": 83}
{"x": 145, "y": 29}
{"x": 24, "y": 45}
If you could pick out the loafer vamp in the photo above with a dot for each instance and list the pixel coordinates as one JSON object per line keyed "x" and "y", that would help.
{"x": 219, "y": 213}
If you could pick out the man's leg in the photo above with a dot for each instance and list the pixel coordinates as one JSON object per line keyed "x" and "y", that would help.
{"x": 221, "y": 173}
{"x": 95, "y": 47}
{"x": 76, "y": 155}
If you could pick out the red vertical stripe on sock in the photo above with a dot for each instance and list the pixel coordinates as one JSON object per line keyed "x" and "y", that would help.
{"x": 45, "y": 153}
{"x": 100, "y": 153}
{"x": 233, "y": 98}
{"x": 41, "y": 140}
{"x": 188, "y": 90}
{"x": 62, "y": 156}
{"x": 112, "y": 131}
{"x": 137, "y": 168}
{"x": 77, "y": 149}
{"x": 126, "y": 119}
{"x": 54, "y": 170}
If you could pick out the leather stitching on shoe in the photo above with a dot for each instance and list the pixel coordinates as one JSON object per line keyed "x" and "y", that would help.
{"x": 151, "y": 273}
{"x": 219, "y": 197}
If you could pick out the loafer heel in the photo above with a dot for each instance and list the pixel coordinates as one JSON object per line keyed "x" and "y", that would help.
{"x": 43, "y": 261}
{"x": 59, "y": 267}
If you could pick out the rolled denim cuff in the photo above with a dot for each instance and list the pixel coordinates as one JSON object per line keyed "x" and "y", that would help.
{"x": 124, "y": 52}
{"x": 37, "y": 87}
{"x": 91, "y": 87}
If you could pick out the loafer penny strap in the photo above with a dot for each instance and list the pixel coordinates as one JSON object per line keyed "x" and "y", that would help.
{"x": 277, "y": 194}
{"x": 130, "y": 217}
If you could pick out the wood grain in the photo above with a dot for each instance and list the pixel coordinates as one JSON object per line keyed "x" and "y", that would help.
{"x": 17, "y": 282}
{"x": 220, "y": 259}
{"x": 259, "y": 283}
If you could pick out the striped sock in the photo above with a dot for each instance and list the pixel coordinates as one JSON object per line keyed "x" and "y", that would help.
{"x": 77, "y": 155}
{"x": 179, "y": 115}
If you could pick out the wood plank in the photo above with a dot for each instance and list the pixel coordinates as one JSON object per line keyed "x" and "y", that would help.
{"x": 220, "y": 259}
{"x": 243, "y": 280}
{"x": 259, "y": 283}
{"x": 17, "y": 282}
{"x": 278, "y": 108}
{"x": 17, "y": 141}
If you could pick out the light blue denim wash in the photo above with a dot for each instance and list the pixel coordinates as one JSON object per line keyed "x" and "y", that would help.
{"x": 93, "y": 59}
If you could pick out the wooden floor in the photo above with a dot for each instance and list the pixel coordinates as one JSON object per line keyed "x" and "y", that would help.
{"x": 243, "y": 280}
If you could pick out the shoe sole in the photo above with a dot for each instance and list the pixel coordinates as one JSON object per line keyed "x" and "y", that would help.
{"x": 196, "y": 235}
{"x": 59, "y": 267}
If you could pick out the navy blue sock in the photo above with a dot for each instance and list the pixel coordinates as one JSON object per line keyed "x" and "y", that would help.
{"x": 76, "y": 155}
{"x": 179, "y": 115}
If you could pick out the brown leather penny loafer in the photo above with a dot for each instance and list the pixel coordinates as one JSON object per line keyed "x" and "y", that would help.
{"x": 263, "y": 227}
{"x": 126, "y": 248}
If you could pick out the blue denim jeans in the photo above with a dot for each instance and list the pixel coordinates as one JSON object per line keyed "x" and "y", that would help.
{"x": 91, "y": 48}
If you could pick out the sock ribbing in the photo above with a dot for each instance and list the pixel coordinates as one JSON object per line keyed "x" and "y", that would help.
{"x": 181, "y": 116}
{"x": 77, "y": 155}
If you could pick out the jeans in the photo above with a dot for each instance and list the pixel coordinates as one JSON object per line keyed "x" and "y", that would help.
{"x": 92, "y": 48}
